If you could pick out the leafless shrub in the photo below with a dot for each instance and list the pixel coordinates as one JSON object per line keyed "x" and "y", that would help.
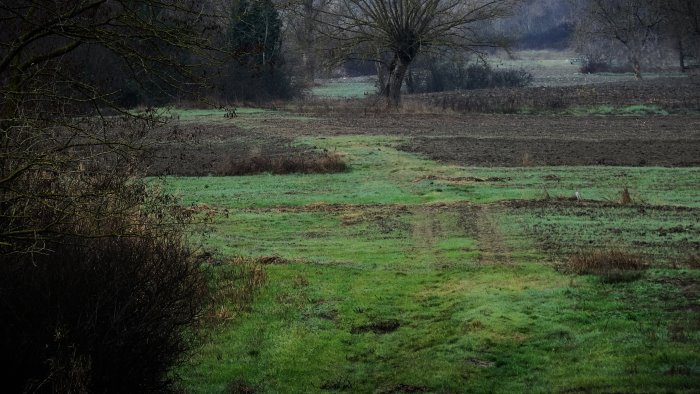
{"x": 368, "y": 105}
{"x": 312, "y": 163}
{"x": 458, "y": 74}
{"x": 610, "y": 265}
{"x": 98, "y": 315}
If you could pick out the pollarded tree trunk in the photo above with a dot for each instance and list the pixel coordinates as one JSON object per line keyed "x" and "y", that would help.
{"x": 681, "y": 54}
{"x": 410, "y": 82}
{"x": 392, "y": 91}
{"x": 634, "y": 56}
{"x": 309, "y": 42}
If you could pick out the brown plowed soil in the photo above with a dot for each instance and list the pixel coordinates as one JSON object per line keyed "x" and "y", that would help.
{"x": 465, "y": 139}
{"x": 513, "y": 152}
{"x": 667, "y": 93}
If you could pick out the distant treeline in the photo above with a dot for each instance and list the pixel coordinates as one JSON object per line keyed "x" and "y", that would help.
{"x": 266, "y": 51}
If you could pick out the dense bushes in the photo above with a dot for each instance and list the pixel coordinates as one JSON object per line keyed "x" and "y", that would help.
{"x": 306, "y": 163}
{"x": 102, "y": 315}
{"x": 256, "y": 70}
{"x": 439, "y": 77}
{"x": 590, "y": 66}
{"x": 97, "y": 285}
{"x": 239, "y": 82}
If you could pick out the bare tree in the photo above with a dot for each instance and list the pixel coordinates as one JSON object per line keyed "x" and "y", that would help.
{"x": 394, "y": 32}
{"x": 63, "y": 154}
{"x": 627, "y": 26}
{"x": 85, "y": 248}
{"x": 682, "y": 25}
{"x": 303, "y": 24}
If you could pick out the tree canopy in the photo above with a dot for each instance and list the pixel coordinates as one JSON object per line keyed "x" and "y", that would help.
{"x": 395, "y": 32}
{"x": 631, "y": 24}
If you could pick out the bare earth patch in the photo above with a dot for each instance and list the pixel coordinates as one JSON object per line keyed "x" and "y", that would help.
{"x": 478, "y": 140}
{"x": 206, "y": 146}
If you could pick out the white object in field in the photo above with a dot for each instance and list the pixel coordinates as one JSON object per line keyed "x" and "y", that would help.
{"x": 578, "y": 195}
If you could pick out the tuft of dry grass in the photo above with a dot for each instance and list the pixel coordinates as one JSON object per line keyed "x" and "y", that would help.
{"x": 269, "y": 260}
{"x": 527, "y": 160}
{"x": 311, "y": 163}
{"x": 625, "y": 198}
{"x": 611, "y": 266}
{"x": 691, "y": 261}
{"x": 234, "y": 288}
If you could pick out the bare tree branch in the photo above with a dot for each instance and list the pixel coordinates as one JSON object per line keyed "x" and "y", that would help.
{"x": 395, "y": 32}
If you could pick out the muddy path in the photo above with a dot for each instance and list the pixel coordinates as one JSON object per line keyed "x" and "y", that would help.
{"x": 478, "y": 222}
{"x": 492, "y": 244}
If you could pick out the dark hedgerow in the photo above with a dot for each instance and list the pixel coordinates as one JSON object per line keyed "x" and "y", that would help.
{"x": 450, "y": 76}
{"x": 101, "y": 315}
{"x": 593, "y": 67}
{"x": 307, "y": 163}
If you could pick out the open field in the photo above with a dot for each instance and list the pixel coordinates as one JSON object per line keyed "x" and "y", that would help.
{"x": 560, "y": 68}
{"x": 655, "y": 96}
{"x": 350, "y": 196}
{"x": 345, "y": 87}
{"x": 469, "y": 139}
{"x": 438, "y": 261}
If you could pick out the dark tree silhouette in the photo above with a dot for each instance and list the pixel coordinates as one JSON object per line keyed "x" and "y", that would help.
{"x": 395, "y": 32}
{"x": 629, "y": 26}
{"x": 98, "y": 284}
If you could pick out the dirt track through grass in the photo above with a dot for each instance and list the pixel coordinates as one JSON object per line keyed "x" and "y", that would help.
{"x": 490, "y": 238}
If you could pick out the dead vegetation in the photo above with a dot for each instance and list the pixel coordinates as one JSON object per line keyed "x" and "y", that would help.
{"x": 379, "y": 327}
{"x": 233, "y": 287}
{"x": 625, "y": 198}
{"x": 670, "y": 94}
{"x": 299, "y": 163}
{"x": 461, "y": 179}
{"x": 611, "y": 266}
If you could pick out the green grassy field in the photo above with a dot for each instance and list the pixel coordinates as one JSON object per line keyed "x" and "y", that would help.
{"x": 345, "y": 88}
{"x": 559, "y": 68}
{"x": 403, "y": 275}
